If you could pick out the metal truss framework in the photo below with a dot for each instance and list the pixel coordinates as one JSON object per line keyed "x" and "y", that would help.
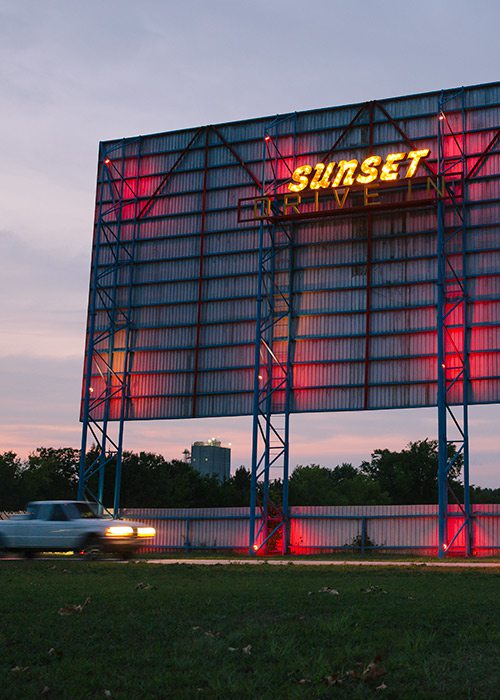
{"x": 112, "y": 366}
{"x": 273, "y": 365}
{"x": 453, "y": 307}
{"x": 109, "y": 351}
{"x": 272, "y": 373}
{"x": 274, "y": 344}
{"x": 273, "y": 380}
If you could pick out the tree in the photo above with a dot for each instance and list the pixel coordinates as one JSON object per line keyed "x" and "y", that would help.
{"x": 344, "y": 485}
{"x": 484, "y": 495}
{"x": 11, "y": 491}
{"x": 51, "y": 473}
{"x": 149, "y": 481}
{"x": 411, "y": 476}
{"x": 141, "y": 485}
{"x": 235, "y": 491}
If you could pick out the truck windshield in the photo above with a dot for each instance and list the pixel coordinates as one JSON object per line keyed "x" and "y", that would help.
{"x": 86, "y": 510}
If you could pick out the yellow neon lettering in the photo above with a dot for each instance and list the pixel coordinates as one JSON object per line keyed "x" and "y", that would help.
{"x": 325, "y": 175}
{"x": 341, "y": 202}
{"x": 439, "y": 185}
{"x": 345, "y": 172}
{"x": 291, "y": 201}
{"x": 409, "y": 193}
{"x": 350, "y": 172}
{"x": 369, "y": 168}
{"x": 300, "y": 178}
{"x": 368, "y": 195}
{"x": 266, "y": 209}
{"x": 390, "y": 168}
{"x": 416, "y": 157}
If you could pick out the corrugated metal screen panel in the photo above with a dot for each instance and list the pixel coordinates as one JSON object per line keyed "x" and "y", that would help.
{"x": 196, "y": 528}
{"x": 364, "y": 285}
{"x": 327, "y": 527}
{"x": 322, "y": 528}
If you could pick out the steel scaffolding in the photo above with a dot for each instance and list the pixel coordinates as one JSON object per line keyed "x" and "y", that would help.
{"x": 273, "y": 362}
{"x": 109, "y": 354}
{"x": 108, "y": 351}
{"x": 453, "y": 314}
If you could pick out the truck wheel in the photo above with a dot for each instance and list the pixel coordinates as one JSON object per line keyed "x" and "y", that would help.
{"x": 93, "y": 549}
{"x": 128, "y": 554}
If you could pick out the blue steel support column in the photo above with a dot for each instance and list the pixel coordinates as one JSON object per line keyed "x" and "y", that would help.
{"x": 89, "y": 352}
{"x": 441, "y": 388}
{"x": 103, "y": 458}
{"x": 128, "y": 355}
{"x": 256, "y": 391}
{"x": 256, "y": 426}
{"x": 101, "y": 353}
{"x": 272, "y": 372}
{"x": 453, "y": 355}
{"x": 288, "y": 397}
{"x": 466, "y": 325}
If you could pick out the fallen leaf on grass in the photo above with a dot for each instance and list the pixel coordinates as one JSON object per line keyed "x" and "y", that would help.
{"x": 195, "y": 628}
{"x": 107, "y": 693}
{"x": 54, "y": 652}
{"x": 374, "y": 670}
{"x": 144, "y": 586}
{"x": 20, "y": 669}
{"x": 214, "y": 635}
{"x": 335, "y": 679}
{"x": 232, "y": 649}
{"x": 45, "y": 690}
{"x": 373, "y": 589}
{"x": 327, "y": 589}
{"x": 72, "y": 609}
{"x": 304, "y": 681}
{"x": 247, "y": 650}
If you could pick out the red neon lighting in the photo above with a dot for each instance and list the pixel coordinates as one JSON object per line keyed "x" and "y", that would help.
{"x": 267, "y": 137}
{"x": 107, "y": 161}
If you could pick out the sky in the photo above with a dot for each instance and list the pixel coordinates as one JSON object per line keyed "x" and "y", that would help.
{"x": 76, "y": 73}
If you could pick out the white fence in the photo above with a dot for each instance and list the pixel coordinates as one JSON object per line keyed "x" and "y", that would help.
{"x": 316, "y": 529}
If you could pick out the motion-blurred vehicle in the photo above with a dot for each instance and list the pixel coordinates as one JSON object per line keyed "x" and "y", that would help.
{"x": 64, "y": 526}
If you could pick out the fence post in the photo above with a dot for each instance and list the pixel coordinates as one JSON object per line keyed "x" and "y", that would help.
{"x": 363, "y": 535}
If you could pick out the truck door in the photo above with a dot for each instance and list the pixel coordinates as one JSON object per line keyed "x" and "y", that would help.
{"x": 49, "y": 531}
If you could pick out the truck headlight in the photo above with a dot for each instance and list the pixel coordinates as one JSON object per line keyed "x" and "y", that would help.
{"x": 146, "y": 532}
{"x": 119, "y": 531}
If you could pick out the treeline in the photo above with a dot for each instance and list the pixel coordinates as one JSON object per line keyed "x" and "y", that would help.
{"x": 150, "y": 481}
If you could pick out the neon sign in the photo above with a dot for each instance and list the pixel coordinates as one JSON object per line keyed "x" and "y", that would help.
{"x": 350, "y": 172}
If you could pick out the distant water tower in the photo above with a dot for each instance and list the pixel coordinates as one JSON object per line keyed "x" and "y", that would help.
{"x": 210, "y": 459}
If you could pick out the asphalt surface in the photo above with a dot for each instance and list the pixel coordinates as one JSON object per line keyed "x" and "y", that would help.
{"x": 464, "y": 564}
{"x": 324, "y": 562}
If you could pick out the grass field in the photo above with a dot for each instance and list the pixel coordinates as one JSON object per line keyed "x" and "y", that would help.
{"x": 94, "y": 630}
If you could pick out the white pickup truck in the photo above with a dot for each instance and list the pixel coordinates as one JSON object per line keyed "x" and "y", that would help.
{"x": 62, "y": 526}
